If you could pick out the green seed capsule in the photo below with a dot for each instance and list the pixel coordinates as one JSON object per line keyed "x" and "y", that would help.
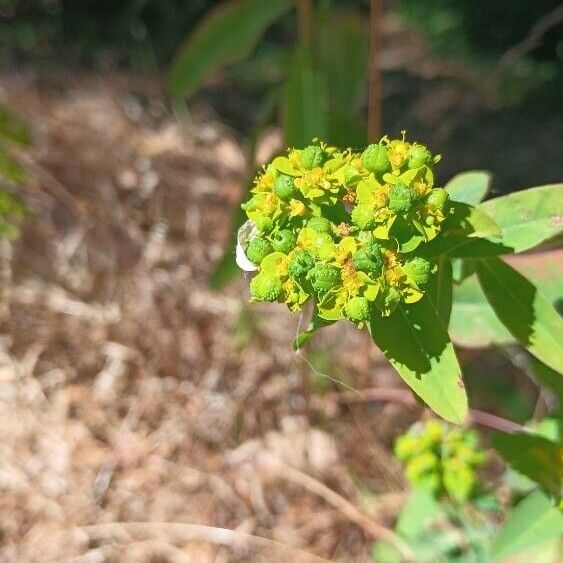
{"x": 300, "y": 263}
{"x": 418, "y": 156}
{"x": 439, "y": 198}
{"x": 312, "y": 156}
{"x": 258, "y": 248}
{"x": 363, "y": 216}
{"x": 284, "y": 187}
{"x": 284, "y": 241}
{"x": 418, "y": 269}
{"x": 364, "y": 262}
{"x": 320, "y": 225}
{"x": 357, "y": 309}
{"x": 375, "y": 159}
{"x": 324, "y": 277}
{"x": 265, "y": 288}
{"x": 401, "y": 198}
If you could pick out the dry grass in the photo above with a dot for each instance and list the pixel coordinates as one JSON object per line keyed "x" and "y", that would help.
{"x": 142, "y": 416}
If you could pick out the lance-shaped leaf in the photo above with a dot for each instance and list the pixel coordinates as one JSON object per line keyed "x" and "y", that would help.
{"x": 304, "y": 115}
{"x": 225, "y": 36}
{"x": 529, "y": 217}
{"x": 417, "y": 344}
{"x": 534, "y": 456}
{"x": 467, "y": 232}
{"x": 469, "y": 187}
{"x": 533, "y": 521}
{"x": 525, "y": 312}
{"x": 440, "y": 289}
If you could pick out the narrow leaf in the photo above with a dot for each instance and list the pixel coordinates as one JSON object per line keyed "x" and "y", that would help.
{"x": 527, "y": 314}
{"x": 529, "y": 217}
{"x": 534, "y": 456}
{"x": 416, "y": 343}
{"x": 533, "y": 521}
{"x": 225, "y": 36}
{"x": 440, "y": 290}
{"x": 469, "y": 187}
{"x": 304, "y": 115}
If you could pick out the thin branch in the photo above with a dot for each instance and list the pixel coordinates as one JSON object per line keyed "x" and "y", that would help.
{"x": 495, "y": 422}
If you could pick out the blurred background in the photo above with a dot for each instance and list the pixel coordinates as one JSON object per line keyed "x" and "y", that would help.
{"x": 136, "y": 384}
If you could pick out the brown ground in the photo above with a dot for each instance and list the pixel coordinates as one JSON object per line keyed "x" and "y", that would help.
{"x": 130, "y": 392}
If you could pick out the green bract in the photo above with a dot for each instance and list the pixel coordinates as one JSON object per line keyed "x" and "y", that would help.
{"x": 441, "y": 458}
{"x": 345, "y": 229}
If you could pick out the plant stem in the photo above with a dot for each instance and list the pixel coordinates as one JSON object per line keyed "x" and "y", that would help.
{"x": 304, "y": 22}
{"x": 374, "y": 75}
{"x": 495, "y": 422}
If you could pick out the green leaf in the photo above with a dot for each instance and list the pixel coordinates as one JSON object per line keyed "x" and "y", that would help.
{"x": 473, "y": 324}
{"x": 13, "y": 129}
{"x": 226, "y": 35}
{"x": 304, "y": 114}
{"x": 463, "y": 232}
{"x": 341, "y": 50}
{"x": 440, "y": 290}
{"x": 534, "y": 456}
{"x": 529, "y": 217}
{"x": 533, "y": 521}
{"x": 417, "y": 344}
{"x": 527, "y": 314}
{"x": 418, "y": 514}
{"x": 469, "y": 187}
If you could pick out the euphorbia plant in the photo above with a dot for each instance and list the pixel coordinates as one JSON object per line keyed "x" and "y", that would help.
{"x": 369, "y": 237}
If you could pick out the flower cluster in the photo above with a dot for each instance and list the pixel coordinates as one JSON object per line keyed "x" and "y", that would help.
{"x": 343, "y": 228}
{"x": 441, "y": 458}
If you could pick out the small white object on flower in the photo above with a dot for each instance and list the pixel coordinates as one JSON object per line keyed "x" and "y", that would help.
{"x": 244, "y": 235}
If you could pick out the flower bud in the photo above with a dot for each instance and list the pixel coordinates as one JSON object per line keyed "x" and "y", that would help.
{"x": 284, "y": 187}
{"x": 324, "y": 277}
{"x": 438, "y": 197}
{"x": 312, "y": 156}
{"x": 418, "y": 156}
{"x": 368, "y": 263}
{"x": 357, "y": 309}
{"x": 363, "y": 216}
{"x": 319, "y": 224}
{"x": 418, "y": 270}
{"x": 265, "y": 288}
{"x": 284, "y": 241}
{"x": 300, "y": 263}
{"x": 401, "y": 198}
{"x": 258, "y": 248}
{"x": 375, "y": 159}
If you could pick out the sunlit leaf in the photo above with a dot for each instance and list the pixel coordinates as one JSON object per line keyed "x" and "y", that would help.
{"x": 533, "y": 521}
{"x": 529, "y": 217}
{"x": 440, "y": 290}
{"x": 226, "y": 35}
{"x": 525, "y": 312}
{"x": 416, "y": 343}
{"x": 469, "y": 187}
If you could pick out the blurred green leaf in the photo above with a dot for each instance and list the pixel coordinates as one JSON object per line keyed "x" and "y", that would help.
{"x": 473, "y": 323}
{"x": 440, "y": 290}
{"x": 418, "y": 514}
{"x": 226, "y": 35}
{"x": 527, "y": 314}
{"x": 13, "y": 129}
{"x": 534, "y": 456}
{"x": 529, "y": 217}
{"x": 533, "y": 521}
{"x": 469, "y": 187}
{"x": 10, "y": 171}
{"x": 304, "y": 111}
{"x": 341, "y": 50}
{"x": 417, "y": 344}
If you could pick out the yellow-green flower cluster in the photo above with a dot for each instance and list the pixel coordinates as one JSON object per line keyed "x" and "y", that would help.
{"x": 441, "y": 458}
{"x": 344, "y": 228}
